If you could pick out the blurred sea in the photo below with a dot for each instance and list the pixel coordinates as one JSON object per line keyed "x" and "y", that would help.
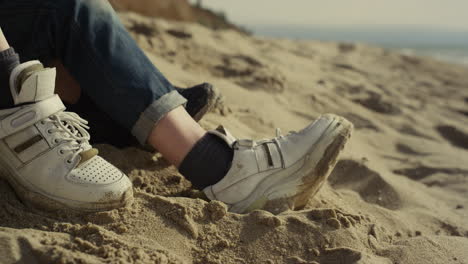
{"x": 446, "y": 45}
{"x": 450, "y": 54}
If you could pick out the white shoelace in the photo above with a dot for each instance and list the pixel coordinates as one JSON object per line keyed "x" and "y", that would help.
{"x": 73, "y": 133}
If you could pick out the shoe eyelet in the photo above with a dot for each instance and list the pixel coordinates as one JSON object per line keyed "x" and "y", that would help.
{"x": 42, "y": 122}
{"x": 69, "y": 161}
{"x": 61, "y": 151}
{"x": 56, "y": 141}
{"x": 49, "y": 131}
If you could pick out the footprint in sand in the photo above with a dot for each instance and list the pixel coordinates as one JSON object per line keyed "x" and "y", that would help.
{"x": 405, "y": 149}
{"x": 250, "y": 73}
{"x": 463, "y": 112}
{"x": 360, "y": 122}
{"x": 375, "y": 103}
{"x": 143, "y": 29}
{"x": 455, "y": 136}
{"x": 421, "y": 172}
{"x": 179, "y": 34}
{"x": 409, "y": 130}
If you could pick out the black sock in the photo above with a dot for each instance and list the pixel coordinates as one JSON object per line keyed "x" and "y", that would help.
{"x": 208, "y": 161}
{"x": 8, "y": 61}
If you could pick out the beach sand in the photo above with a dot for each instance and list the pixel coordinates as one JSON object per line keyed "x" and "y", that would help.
{"x": 397, "y": 195}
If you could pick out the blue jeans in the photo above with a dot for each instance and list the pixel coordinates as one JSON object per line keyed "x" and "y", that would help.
{"x": 91, "y": 42}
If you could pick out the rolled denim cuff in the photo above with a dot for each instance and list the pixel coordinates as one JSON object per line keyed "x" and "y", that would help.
{"x": 155, "y": 112}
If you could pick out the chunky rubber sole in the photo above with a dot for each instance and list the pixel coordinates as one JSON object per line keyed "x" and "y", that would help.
{"x": 292, "y": 190}
{"x": 46, "y": 202}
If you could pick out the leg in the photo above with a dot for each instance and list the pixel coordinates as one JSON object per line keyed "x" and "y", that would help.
{"x": 92, "y": 40}
{"x": 87, "y": 36}
{"x": 200, "y": 99}
{"x": 175, "y": 135}
{"x": 110, "y": 68}
{"x": 108, "y": 64}
{"x": 98, "y": 51}
{"x": 95, "y": 48}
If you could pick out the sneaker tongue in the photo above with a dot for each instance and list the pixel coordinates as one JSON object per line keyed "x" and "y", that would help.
{"x": 31, "y": 83}
{"x": 87, "y": 155}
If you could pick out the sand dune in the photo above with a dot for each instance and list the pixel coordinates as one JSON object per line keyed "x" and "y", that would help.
{"x": 398, "y": 195}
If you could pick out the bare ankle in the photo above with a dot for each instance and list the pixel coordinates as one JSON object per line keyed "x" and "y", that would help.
{"x": 175, "y": 135}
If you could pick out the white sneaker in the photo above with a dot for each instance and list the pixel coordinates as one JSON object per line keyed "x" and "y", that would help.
{"x": 45, "y": 154}
{"x": 282, "y": 173}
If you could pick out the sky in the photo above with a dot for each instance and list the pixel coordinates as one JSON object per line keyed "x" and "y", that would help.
{"x": 440, "y": 14}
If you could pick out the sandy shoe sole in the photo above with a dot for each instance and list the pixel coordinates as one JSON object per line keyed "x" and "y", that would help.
{"x": 210, "y": 103}
{"x": 293, "y": 187}
{"x": 42, "y": 201}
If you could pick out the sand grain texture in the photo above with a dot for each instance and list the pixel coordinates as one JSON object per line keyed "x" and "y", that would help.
{"x": 398, "y": 194}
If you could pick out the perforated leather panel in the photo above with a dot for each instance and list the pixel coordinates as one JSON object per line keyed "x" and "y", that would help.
{"x": 96, "y": 171}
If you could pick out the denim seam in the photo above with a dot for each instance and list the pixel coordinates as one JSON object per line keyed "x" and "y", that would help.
{"x": 154, "y": 113}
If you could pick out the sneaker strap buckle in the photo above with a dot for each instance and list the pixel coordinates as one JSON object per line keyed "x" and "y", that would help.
{"x": 30, "y": 115}
{"x": 269, "y": 156}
